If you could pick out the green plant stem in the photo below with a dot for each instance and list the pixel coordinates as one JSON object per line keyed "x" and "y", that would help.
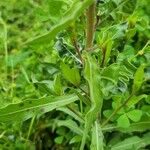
{"x": 117, "y": 109}
{"x": 90, "y": 26}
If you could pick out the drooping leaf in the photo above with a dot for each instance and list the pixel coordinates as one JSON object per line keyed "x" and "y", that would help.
{"x": 71, "y": 113}
{"x": 134, "y": 142}
{"x": 28, "y": 108}
{"x": 137, "y": 127}
{"x": 70, "y": 16}
{"x": 134, "y": 127}
{"x": 72, "y": 125}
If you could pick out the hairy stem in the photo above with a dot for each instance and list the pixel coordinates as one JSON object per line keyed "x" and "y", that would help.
{"x": 90, "y": 26}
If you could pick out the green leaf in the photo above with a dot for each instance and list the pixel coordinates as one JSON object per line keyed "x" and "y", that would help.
{"x": 135, "y": 115}
{"x": 134, "y": 127}
{"x": 71, "y": 113}
{"x": 130, "y": 33}
{"x": 146, "y": 109}
{"x": 130, "y": 143}
{"x": 72, "y": 125}
{"x": 137, "y": 127}
{"x": 108, "y": 51}
{"x": 135, "y": 99}
{"x": 28, "y": 108}
{"x": 58, "y": 89}
{"x": 75, "y": 139}
{"x": 97, "y": 137}
{"x": 70, "y": 16}
{"x": 52, "y": 12}
{"x": 138, "y": 78}
{"x": 55, "y": 7}
{"x": 92, "y": 75}
{"x": 111, "y": 73}
{"x": 107, "y": 113}
{"x": 123, "y": 121}
{"x": 59, "y": 139}
{"x": 71, "y": 74}
{"x": 82, "y": 98}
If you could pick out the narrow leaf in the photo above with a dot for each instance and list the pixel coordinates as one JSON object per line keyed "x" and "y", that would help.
{"x": 26, "y": 109}
{"x": 134, "y": 142}
{"x": 108, "y": 51}
{"x": 92, "y": 75}
{"x": 97, "y": 137}
{"x": 135, "y": 99}
{"x": 72, "y": 125}
{"x": 138, "y": 78}
{"x": 71, "y": 113}
{"x": 70, "y": 16}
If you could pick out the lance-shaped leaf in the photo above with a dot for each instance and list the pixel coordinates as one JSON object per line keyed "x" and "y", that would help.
{"x": 70, "y": 16}
{"x": 92, "y": 75}
{"x": 26, "y": 109}
{"x": 134, "y": 142}
{"x": 72, "y": 125}
{"x": 138, "y": 78}
{"x": 97, "y": 137}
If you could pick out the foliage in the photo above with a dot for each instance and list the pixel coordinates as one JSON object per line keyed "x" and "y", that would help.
{"x": 55, "y": 93}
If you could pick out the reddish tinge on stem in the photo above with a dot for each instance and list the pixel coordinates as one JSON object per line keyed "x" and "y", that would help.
{"x": 90, "y": 26}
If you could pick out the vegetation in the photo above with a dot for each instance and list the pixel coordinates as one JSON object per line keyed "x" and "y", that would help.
{"x": 75, "y": 74}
